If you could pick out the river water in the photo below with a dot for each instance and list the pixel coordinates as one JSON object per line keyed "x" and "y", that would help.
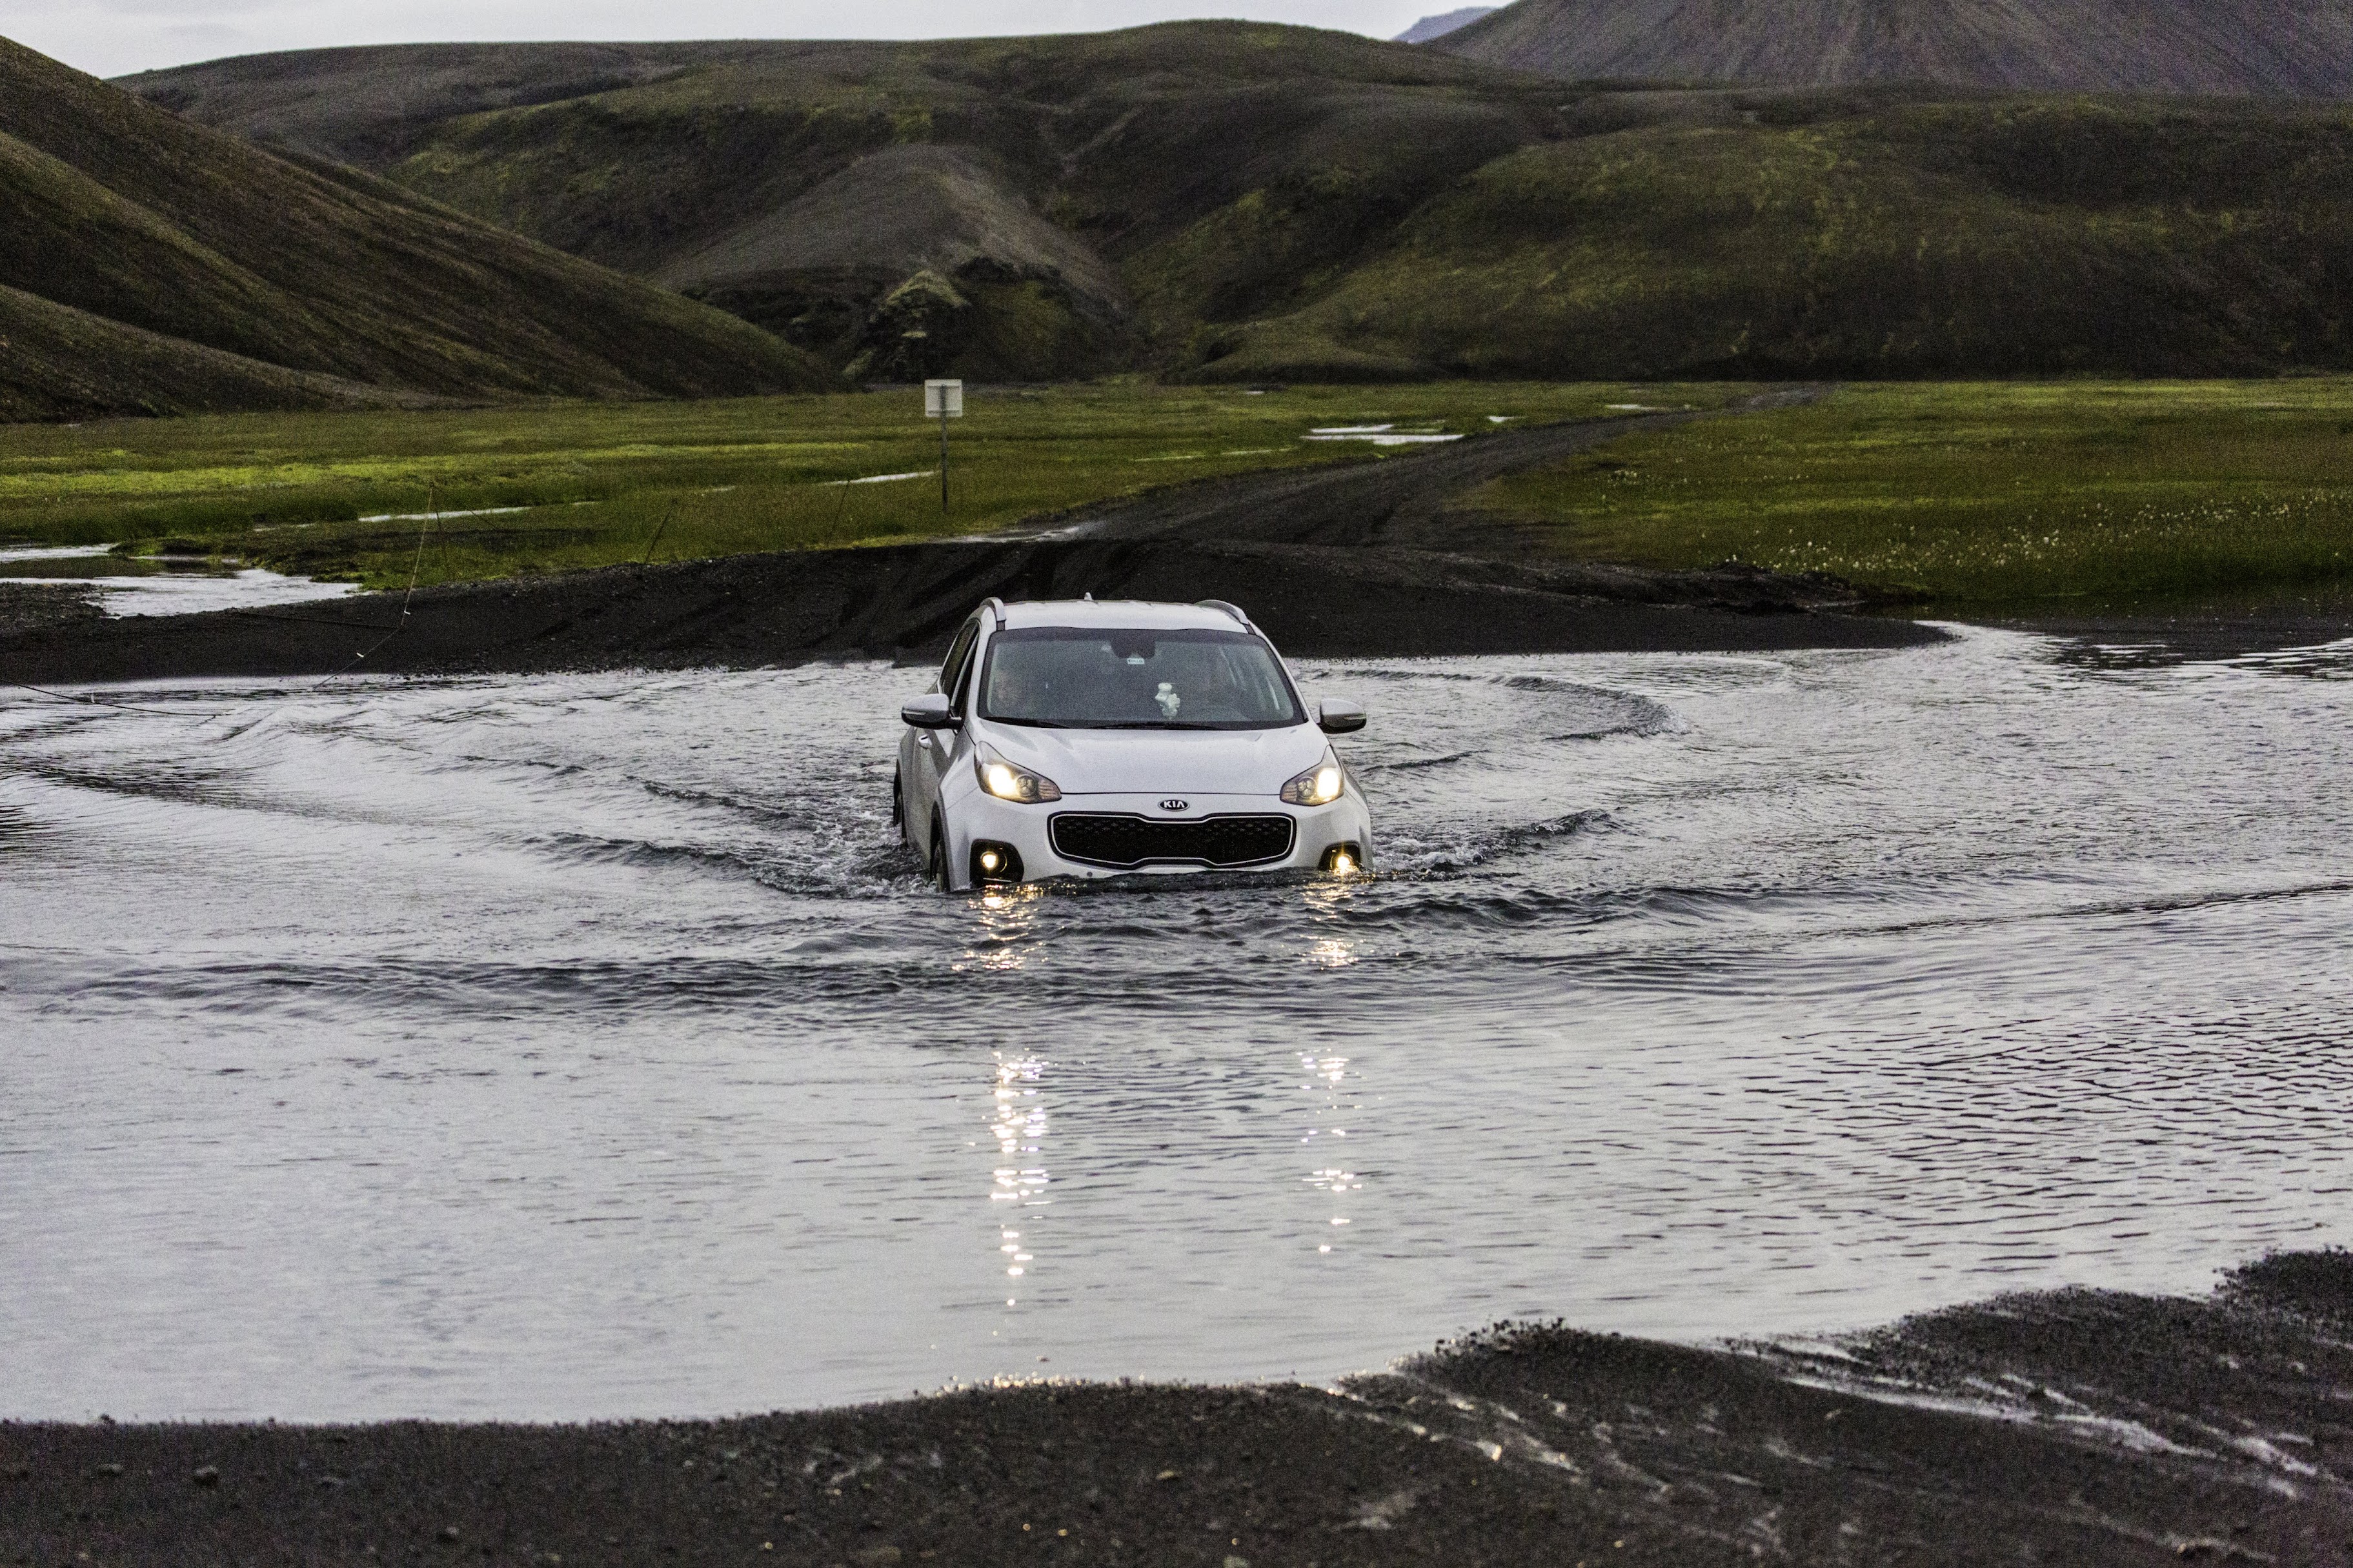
{"x": 585, "y": 1046}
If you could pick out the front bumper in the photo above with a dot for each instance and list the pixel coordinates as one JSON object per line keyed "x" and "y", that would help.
{"x": 975, "y": 817}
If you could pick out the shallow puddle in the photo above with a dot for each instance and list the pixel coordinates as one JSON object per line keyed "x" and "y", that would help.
{"x": 156, "y": 585}
{"x": 585, "y": 1045}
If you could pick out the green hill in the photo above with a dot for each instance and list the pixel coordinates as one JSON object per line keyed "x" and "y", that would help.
{"x": 58, "y": 363}
{"x": 1862, "y": 233}
{"x": 2301, "y": 49}
{"x": 149, "y": 265}
{"x": 1229, "y": 201}
{"x": 1028, "y": 185}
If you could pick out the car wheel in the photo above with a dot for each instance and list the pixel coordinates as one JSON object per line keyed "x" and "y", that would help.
{"x": 940, "y": 872}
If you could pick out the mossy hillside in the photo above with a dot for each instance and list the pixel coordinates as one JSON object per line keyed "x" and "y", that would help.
{"x": 1285, "y": 203}
{"x": 1126, "y": 140}
{"x": 123, "y": 211}
{"x": 993, "y": 327}
{"x": 1146, "y": 128}
{"x": 2252, "y": 47}
{"x": 1305, "y": 222}
{"x": 1861, "y": 236}
{"x": 2003, "y": 495}
{"x": 57, "y": 362}
{"x": 74, "y": 242}
{"x": 1027, "y": 329}
{"x": 632, "y": 185}
{"x": 377, "y": 105}
{"x": 601, "y": 484}
{"x": 1856, "y": 232}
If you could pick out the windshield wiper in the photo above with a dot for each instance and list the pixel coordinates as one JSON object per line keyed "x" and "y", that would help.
{"x": 1026, "y": 723}
{"x": 1153, "y": 724}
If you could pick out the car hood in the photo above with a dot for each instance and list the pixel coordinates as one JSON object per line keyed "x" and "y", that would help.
{"x": 1163, "y": 762}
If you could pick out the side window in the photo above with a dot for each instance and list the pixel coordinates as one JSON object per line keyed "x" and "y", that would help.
{"x": 959, "y": 655}
{"x": 967, "y": 682}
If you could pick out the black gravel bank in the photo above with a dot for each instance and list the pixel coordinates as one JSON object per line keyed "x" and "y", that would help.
{"x": 759, "y": 610}
{"x": 2068, "y": 1428}
{"x": 25, "y": 608}
{"x": 1353, "y": 559}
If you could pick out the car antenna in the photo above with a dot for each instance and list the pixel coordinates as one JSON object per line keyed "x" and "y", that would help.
{"x": 1089, "y": 598}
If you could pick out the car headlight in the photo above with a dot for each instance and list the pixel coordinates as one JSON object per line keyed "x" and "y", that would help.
{"x": 1011, "y": 781}
{"x": 1319, "y": 785}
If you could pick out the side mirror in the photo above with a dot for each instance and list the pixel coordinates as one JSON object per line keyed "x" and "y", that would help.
{"x": 929, "y": 712}
{"x": 1340, "y": 717}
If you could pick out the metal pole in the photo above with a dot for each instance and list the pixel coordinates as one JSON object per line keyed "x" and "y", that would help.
{"x": 944, "y": 456}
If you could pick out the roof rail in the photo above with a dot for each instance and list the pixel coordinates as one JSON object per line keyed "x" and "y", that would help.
{"x": 1232, "y": 610}
{"x": 997, "y": 608}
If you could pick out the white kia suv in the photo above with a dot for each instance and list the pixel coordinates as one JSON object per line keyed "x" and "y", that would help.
{"x": 1076, "y": 739}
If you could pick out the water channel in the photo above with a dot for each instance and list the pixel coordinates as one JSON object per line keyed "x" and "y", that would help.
{"x": 585, "y": 1045}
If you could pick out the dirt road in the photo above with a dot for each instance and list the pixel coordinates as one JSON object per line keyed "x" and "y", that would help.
{"x": 1400, "y": 502}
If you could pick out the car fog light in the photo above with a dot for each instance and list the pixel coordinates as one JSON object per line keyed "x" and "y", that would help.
{"x": 1319, "y": 785}
{"x": 995, "y": 862}
{"x": 1344, "y": 859}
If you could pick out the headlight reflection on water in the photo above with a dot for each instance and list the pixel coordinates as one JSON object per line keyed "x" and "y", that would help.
{"x": 1018, "y": 1124}
{"x": 1009, "y": 936}
{"x": 1330, "y": 1075}
{"x": 1326, "y": 898}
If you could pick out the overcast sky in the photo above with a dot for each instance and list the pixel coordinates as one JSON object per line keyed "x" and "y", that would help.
{"x": 109, "y": 37}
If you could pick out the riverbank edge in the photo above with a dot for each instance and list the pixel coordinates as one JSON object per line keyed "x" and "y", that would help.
{"x": 756, "y": 611}
{"x": 2074, "y": 1425}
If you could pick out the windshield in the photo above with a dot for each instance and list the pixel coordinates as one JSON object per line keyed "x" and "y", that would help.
{"x": 1065, "y": 678}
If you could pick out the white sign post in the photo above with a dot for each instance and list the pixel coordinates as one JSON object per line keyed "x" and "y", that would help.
{"x": 943, "y": 401}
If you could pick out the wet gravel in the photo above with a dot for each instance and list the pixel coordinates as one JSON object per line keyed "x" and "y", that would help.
{"x": 2062, "y": 1427}
{"x": 758, "y": 611}
{"x": 28, "y": 608}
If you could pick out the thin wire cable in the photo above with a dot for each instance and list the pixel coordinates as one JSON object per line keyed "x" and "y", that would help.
{"x": 429, "y": 523}
{"x": 659, "y": 528}
{"x": 416, "y": 568}
{"x": 106, "y": 703}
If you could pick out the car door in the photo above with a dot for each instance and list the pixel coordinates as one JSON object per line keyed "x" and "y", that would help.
{"x": 934, "y": 750}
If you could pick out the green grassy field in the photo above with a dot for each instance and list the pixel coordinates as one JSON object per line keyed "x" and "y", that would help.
{"x": 597, "y": 483}
{"x": 2008, "y": 495}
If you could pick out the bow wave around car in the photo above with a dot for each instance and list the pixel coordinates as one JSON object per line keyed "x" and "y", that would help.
{"x": 1081, "y": 740}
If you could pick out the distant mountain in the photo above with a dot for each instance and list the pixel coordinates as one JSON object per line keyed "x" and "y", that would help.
{"x": 2271, "y": 48}
{"x": 148, "y": 265}
{"x": 1235, "y": 202}
{"x": 1026, "y": 187}
{"x": 1430, "y": 27}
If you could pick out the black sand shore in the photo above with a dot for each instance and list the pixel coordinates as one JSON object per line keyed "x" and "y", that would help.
{"x": 759, "y": 610}
{"x": 2222, "y": 629}
{"x": 28, "y": 608}
{"x": 2065, "y": 1429}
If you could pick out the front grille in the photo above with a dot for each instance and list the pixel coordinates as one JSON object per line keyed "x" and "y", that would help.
{"x": 1125, "y": 843}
